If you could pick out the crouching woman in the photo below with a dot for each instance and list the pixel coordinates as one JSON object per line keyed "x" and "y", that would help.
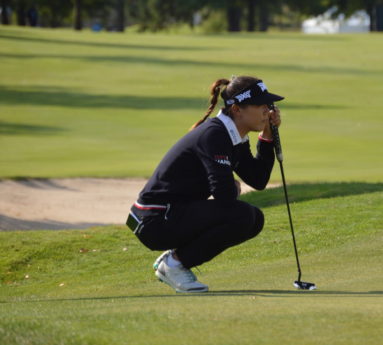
{"x": 173, "y": 212}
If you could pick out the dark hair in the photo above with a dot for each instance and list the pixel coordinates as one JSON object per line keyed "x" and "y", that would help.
{"x": 233, "y": 87}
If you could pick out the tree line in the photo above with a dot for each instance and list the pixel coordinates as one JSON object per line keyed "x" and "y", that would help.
{"x": 155, "y": 15}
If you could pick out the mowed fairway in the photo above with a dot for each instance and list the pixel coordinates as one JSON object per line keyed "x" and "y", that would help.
{"x": 87, "y": 104}
{"x": 97, "y": 287}
{"x": 99, "y": 104}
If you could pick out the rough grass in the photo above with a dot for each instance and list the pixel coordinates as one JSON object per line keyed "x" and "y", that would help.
{"x": 96, "y": 286}
{"x": 87, "y": 104}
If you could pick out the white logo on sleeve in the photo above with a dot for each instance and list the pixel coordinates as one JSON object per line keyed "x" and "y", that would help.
{"x": 244, "y": 95}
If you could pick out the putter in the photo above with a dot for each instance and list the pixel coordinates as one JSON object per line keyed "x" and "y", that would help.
{"x": 278, "y": 152}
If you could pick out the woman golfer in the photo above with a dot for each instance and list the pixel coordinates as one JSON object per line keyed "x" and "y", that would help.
{"x": 173, "y": 212}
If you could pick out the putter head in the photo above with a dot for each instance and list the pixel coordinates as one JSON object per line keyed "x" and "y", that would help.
{"x": 304, "y": 285}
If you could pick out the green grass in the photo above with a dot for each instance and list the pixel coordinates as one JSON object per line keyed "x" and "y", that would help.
{"x": 87, "y": 104}
{"x": 109, "y": 295}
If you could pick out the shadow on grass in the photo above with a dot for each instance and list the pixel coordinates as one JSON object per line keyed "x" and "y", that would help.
{"x": 266, "y": 293}
{"x": 224, "y": 293}
{"x": 9, "y": 128}
{"x": 82, "y": 43}
{"x": 309, "y": 191}
{"x": 173, "y": 62}
{"x": 62, "y": 97}
{"x": 58, "y": 96}
{"x": 15, "y": 35}
{"x": 17, "y": 224}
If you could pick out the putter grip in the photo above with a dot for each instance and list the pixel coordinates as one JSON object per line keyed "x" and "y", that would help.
{"x": 277, "y": 142}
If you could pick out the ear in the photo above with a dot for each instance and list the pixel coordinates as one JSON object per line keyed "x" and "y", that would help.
{"x": 235, "y": 110}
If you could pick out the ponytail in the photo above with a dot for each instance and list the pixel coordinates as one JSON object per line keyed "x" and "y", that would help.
{"x": 215, "y": 90}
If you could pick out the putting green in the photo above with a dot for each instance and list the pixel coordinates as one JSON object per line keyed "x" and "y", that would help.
{"x": 96, "y": 286}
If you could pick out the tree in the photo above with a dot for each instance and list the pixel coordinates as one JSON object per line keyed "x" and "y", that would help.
{"x": 156, "y": 15}
{"x": 4, "y": 12}
{"x": 234, "y": 16}
{"x": 371, "y": 6}
{"x": 263, "y": 15}
{"x": 184, "y": 10}
{"x": 53, "y": 13}
{"x": 251, "y": 15}
{"x": 120, "y": 15}
{"x": 315, "y": 7}
{"x": 90, "y": 9}
{"x": 78, "y": 15}
{"x": 21, "y": 12}
{"x": 257, "y": 13}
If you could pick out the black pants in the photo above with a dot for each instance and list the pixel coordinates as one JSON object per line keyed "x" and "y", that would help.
{"x": 199, "y": 230}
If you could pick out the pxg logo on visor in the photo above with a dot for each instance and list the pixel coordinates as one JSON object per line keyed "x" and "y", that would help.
{"x": 256, "y": 94}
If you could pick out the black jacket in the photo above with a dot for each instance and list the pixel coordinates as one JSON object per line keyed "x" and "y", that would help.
{"x": 202, "y": 163}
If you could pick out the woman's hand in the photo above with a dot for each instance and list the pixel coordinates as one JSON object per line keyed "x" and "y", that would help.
{"x": 275, "y": 116}
{"x": 274, "y": 119}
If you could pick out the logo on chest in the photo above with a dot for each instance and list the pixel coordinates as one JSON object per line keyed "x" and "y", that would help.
{"x": 221, "y": 159}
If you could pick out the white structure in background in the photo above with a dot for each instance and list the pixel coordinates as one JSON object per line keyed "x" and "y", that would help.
{"x": 326, "y": 24}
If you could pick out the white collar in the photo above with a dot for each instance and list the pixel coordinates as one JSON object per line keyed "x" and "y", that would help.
{"x": 232, "y": 129}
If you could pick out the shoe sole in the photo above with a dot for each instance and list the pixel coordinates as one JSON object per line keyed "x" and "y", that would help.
{"x": 163, "y": 279}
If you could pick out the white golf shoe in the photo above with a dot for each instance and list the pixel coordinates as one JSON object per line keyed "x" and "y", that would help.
{"x": 160, "y": 258}
{"x": 179, "y": 278}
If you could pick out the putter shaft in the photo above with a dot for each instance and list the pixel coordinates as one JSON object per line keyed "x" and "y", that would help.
{"x": 279, "y": 155}
{"x": 291, "y": 222}
{"x": 278, "y": 152}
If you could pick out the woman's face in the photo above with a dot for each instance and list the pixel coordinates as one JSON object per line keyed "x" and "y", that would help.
{"x": 251, "y": 117}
